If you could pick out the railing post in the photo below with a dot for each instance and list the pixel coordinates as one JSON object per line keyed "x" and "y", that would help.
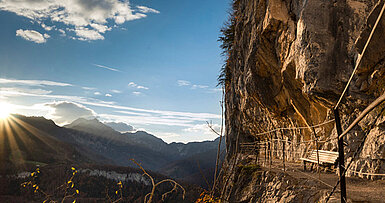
{"x": 292, "y": 148}
{"x": 255, "y": 152}
{"x": 270, "y": 151}
{"x": 316, "y": 145}
{"x": 341, "y": 158}
{"x": 283, "y": 151}
{"x": 265, "y": 146}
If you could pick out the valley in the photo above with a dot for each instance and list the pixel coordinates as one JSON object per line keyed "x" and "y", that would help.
{"x": 92, "y": 145}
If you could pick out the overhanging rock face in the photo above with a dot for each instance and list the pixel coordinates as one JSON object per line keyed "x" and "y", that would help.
{"x": 289, "y": 64}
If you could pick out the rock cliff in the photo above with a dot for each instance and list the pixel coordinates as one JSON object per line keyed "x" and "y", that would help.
{"x": 287, "y": 64}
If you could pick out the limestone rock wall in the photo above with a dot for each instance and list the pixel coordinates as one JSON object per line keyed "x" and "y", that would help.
{"x": 290, "y": 61}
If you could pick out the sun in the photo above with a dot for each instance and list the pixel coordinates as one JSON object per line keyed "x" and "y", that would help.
{"x": 5, "y": 110}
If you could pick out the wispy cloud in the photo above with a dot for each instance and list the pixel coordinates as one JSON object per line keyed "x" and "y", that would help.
{"x": 106, "y": 67}
{"x": 203, "y": 128}
{"x": 182, "y": 115}
{"x": 148, "y": 120}
{"x": 214, "y": 90}
{"x": 148, "y": 116}
{"x": 183, "y": 83}
{"x": 133, "y": 113}
{"x": 97, "y": 93}
{"x": 32, "y": 35}
{"x": 199, "y": 86}
{"x": 116, "y": 91}
{"x": 134, "y": 85}
{"x": 136, "y": 93}
{"x": 24, "y": 90}
{"x": 123, "y": 113}
{"x": 85, "y": 19}
{"x": 88, "y": 88}
{"x": 33, "y": 82}
{"x": 108, "y": 95}
{"x": 145, "y": 9}
{"x": 95, "y": 102}
{"x": 23, "y": 93}
{"x": 142, "y": 87}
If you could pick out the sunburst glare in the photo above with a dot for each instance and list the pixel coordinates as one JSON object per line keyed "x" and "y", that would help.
{"x": 5, "y": 110}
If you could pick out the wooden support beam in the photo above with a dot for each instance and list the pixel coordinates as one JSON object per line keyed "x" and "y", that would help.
{"x": 341, "y": 158}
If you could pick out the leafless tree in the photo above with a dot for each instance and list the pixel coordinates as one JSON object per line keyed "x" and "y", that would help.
{"x": 220, "y": 140}
{"x": 150, "y": 195}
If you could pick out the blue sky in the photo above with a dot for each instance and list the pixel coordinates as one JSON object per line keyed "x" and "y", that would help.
{"x": 151, "y": 64}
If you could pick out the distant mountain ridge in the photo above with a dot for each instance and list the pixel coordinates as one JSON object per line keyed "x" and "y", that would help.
{"x": 97, "y": 142}
{"x": 142, "y": 138}
{"x": 182, "y": 161}
{"x": 25, "y": 145}
{"x": 120, "y": 127}
{"x": 93, "y": 126}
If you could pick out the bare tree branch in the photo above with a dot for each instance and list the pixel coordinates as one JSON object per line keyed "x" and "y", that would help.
{"x": 154, "y": 185}
{"x": 203, "y": 175}
{"x": 220, "y": 142}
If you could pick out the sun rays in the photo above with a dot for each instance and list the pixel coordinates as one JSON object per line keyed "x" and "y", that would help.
{"x": 5, "y": 110}
{"x": 21, "y": 143}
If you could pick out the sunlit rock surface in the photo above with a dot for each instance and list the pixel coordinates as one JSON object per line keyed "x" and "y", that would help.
{"x": 289, "y": 64}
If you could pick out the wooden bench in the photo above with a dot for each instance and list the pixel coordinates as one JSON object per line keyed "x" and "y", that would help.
{"x": 326, "y": 158}
{"x": 248, "y": 148}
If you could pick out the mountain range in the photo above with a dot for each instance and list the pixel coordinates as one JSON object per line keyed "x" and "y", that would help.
{"x": 91, "y": 141}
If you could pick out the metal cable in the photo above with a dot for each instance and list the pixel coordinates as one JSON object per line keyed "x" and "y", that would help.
{"x": 360, "y": 56}
{"x": 295, "y": 128}
{"x": 356, "y": 152}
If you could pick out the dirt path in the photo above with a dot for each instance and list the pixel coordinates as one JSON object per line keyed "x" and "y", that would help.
{"x": 358, "y": 189}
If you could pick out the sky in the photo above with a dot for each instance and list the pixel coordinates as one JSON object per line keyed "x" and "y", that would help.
{"x": 148, "y": 63}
